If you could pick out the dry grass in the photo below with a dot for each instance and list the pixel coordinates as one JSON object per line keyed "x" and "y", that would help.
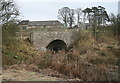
{"x": 18, "y": 53}
{"x": 89, "y": 59}
{"x": 87, "y": 67}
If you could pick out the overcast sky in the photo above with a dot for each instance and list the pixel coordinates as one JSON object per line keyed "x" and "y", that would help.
{"x": 48, "y": 9}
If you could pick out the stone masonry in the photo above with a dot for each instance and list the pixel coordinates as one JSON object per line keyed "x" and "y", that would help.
{"x": 42, "y": 38}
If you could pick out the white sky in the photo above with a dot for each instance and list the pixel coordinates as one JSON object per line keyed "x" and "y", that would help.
{"x": 48, "y": 9}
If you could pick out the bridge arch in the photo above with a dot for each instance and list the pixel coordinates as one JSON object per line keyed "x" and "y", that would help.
{"x": 56, "y": 45}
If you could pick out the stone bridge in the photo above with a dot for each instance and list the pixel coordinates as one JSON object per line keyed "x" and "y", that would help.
{"x": 54, "y": 39}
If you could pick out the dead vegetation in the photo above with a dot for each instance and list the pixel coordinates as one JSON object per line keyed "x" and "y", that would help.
{"x": 88, "y": 59}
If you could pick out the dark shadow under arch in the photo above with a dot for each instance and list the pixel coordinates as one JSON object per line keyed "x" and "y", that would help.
{"x": 56, "y": 45}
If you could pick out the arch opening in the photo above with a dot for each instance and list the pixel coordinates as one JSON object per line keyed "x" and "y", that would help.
{"x": 56, "y": 45}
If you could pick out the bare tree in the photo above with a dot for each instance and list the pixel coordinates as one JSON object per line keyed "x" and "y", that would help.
{"x": 63, "y": 15}
{"x": 71, "y": 17}
{"x": 8, "y": 15}
{"x": 8, "y": 11}
{"x": 84, "y": 16}
{"x": 78, "y": 13}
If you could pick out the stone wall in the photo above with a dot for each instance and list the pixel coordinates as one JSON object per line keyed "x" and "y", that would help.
{"x": 42, "y": 38}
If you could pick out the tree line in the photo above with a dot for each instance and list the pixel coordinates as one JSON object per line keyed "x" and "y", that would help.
{"x": 96, "y": 15}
